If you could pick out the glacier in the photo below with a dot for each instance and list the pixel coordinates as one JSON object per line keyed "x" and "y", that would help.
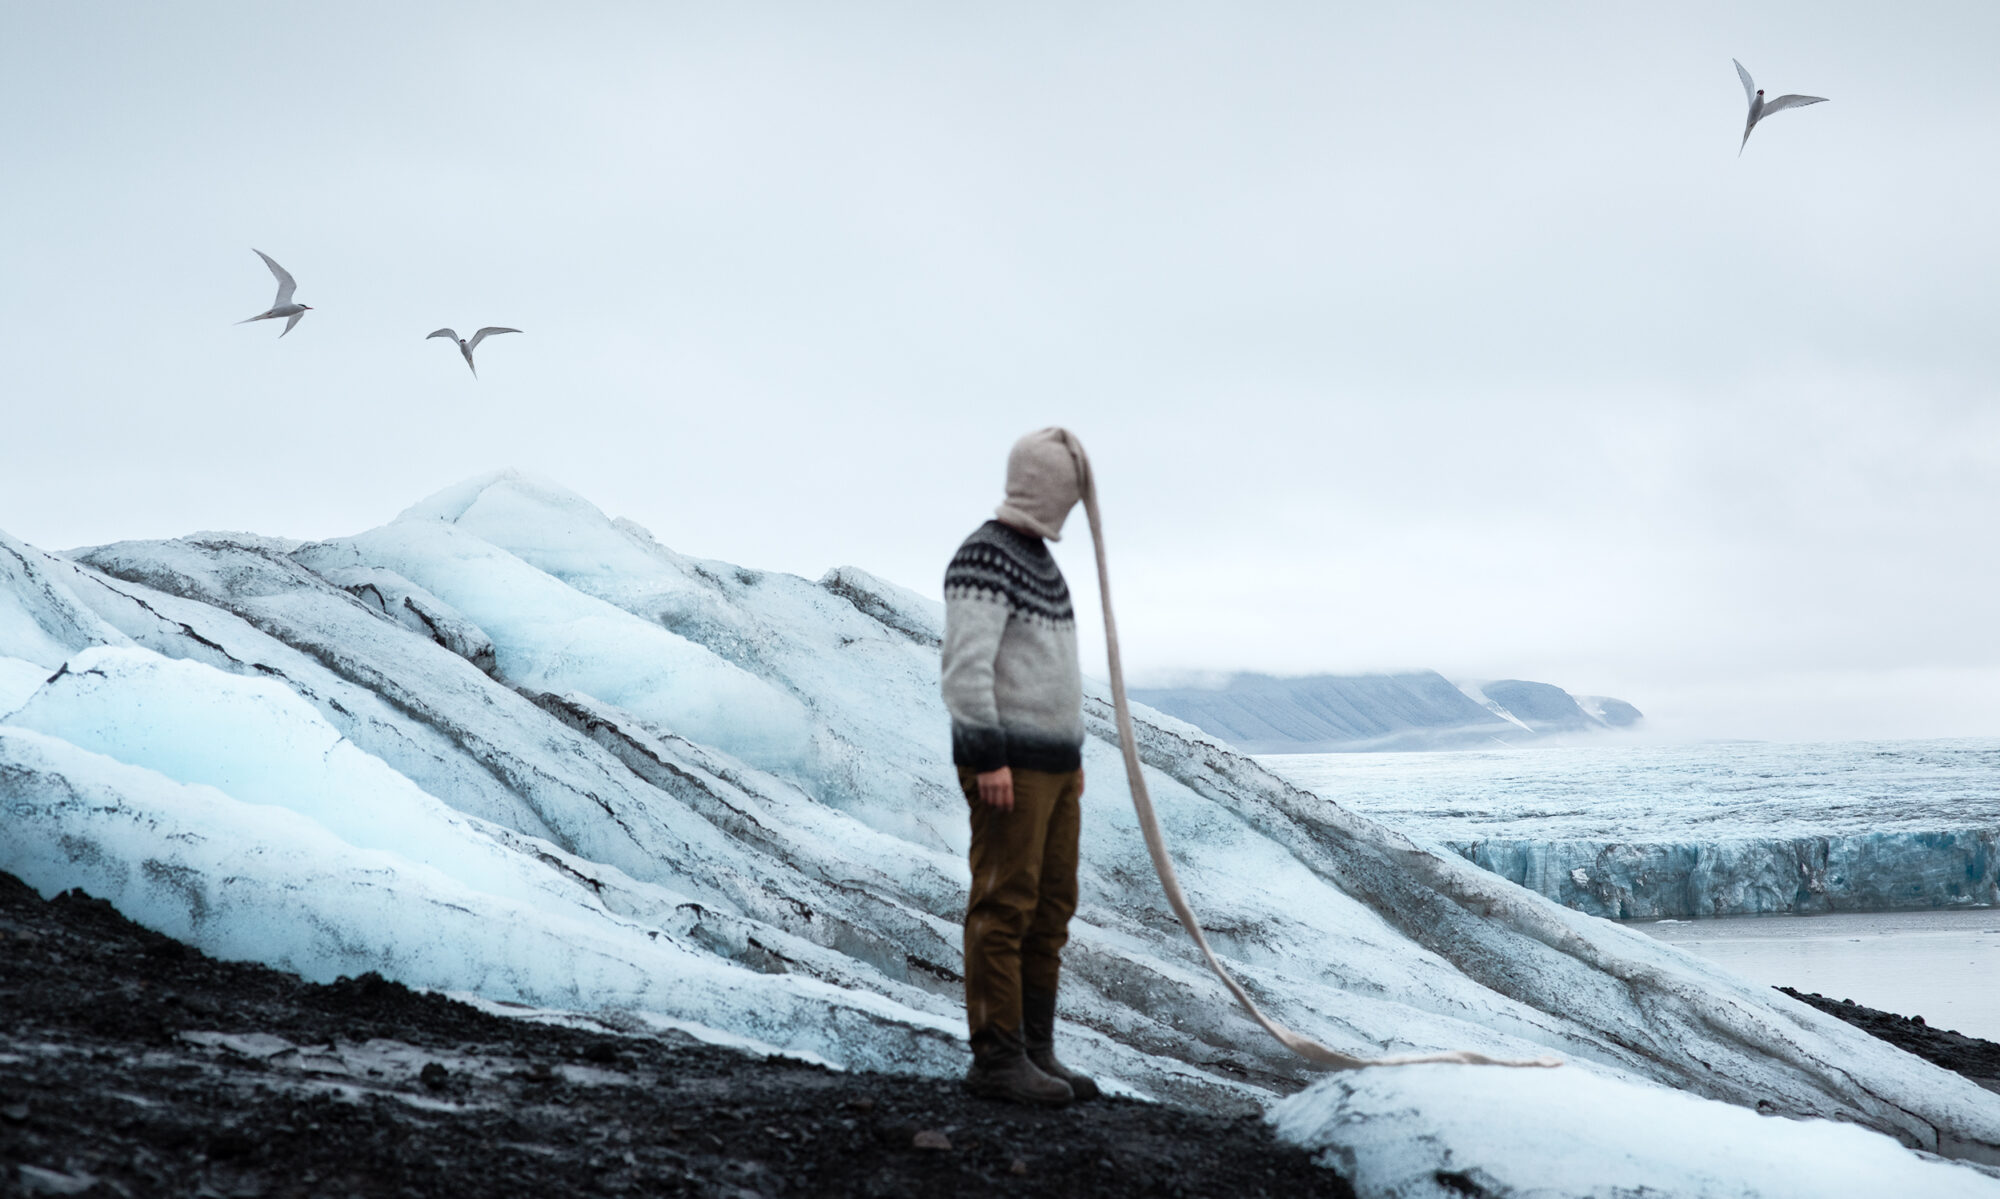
{"x": 508, "y": 746}
{"x": 1695, "y": 831}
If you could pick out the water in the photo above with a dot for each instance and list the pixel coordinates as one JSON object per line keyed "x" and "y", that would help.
{"x": 1938, "y": 965}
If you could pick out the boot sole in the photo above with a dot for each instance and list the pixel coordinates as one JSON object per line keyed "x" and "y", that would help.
{"x": 1075, "y": 1093}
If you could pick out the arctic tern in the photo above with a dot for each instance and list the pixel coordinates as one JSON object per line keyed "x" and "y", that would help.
{"x": 466, "y": 347}
{"x": 1761, "y": 108}
{"x": 283, "y": 305}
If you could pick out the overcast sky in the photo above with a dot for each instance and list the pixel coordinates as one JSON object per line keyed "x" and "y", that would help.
{"x": 1446, "y": 336}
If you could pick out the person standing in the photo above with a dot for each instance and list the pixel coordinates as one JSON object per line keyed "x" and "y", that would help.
{"x": 1015, "y": 693}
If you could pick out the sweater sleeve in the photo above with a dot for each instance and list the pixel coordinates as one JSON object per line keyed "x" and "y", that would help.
{"x": 974, "y": 621}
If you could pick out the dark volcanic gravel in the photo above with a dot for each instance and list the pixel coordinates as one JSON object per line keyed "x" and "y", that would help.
{"x": 1976, "y": 1059}
{"x": 133, "y": 1065}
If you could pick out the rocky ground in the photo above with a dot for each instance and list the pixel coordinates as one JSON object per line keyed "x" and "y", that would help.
{"x": 133, "y": 1065}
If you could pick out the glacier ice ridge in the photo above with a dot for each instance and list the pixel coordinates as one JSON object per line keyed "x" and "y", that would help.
{"x": 505, "y": 745}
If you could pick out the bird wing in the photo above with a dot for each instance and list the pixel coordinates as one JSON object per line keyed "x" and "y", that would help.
{"x": 1783, "y": 102}
{"x": 1749, "y": 88}
{"x": 293, "y": 321}
{"x": 286, "y": 284}
{"x": 481, "y": 335}
{"x": 451, "y": 333}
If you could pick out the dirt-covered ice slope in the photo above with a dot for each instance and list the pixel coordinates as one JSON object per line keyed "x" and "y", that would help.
{"x": 508, "y": 745}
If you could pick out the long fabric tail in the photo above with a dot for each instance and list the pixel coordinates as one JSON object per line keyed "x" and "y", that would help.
{"x": 1163, "y": 865}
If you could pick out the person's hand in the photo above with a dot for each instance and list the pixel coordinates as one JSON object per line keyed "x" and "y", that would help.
{"x": 996, "y": 788}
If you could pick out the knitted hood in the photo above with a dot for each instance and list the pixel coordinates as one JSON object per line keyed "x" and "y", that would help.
{"x": 1047, "y": 474}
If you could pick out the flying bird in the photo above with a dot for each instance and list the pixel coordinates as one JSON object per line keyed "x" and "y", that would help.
{"x": 1761, "y": 108}
{"x": 466, "y": 347}
{"x": 283, "y": 305}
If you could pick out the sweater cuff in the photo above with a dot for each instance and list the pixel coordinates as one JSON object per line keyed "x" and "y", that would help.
{"x": 977, "y": 748}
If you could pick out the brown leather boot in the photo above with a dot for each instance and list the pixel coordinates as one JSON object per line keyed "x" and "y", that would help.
{"x": 1038, "y": 1031}
{"x": 1001, "y": 1070}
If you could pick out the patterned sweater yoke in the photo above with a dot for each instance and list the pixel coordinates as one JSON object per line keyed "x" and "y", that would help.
{"x": 1011, "y": 678}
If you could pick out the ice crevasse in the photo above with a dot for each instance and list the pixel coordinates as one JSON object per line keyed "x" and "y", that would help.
{"x": 509, "y": 746}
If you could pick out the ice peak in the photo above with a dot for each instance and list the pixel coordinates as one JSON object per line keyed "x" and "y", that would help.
{"x": 452, "y": 503}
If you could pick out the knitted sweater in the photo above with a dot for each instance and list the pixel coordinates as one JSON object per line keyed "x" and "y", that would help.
{"x": 1011, "y": 680}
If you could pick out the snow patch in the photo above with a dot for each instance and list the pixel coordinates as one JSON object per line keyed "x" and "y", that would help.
{"x": 1448, "y": 1131}
{"x": 18, "y": 680}
{"x": 1476, "y": 692}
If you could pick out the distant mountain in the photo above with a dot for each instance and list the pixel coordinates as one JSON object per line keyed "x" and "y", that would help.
{"x": 1615, "y": 713}
{"x": 1422, "y": 710}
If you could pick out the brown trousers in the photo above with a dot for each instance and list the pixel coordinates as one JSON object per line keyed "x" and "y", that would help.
{"x": 1023, "y": 894}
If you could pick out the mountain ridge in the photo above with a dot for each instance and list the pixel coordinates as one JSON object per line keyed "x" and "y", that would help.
{"x": 1415, "y": 710}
